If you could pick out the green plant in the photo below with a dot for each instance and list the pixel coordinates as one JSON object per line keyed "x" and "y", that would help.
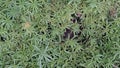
{"x": 59, "y": 34}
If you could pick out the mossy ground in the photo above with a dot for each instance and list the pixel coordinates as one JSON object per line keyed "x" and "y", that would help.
{"x": 59, "y": 33}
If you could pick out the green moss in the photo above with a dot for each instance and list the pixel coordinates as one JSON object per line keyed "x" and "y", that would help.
{"x": 59, "y": 34}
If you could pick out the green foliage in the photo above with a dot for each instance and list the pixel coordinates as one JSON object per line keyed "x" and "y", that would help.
{"x": 31, "y": 34}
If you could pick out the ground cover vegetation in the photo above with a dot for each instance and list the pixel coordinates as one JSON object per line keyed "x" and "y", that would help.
{"x": 59, "y": 33}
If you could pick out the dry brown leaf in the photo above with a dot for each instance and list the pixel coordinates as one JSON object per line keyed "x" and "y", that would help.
{"x": 26, "y": 25}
